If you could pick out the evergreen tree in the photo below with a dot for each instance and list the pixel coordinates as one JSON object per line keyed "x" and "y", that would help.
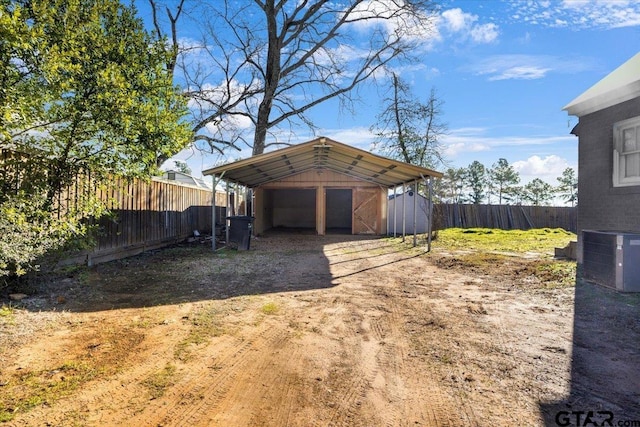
{"x": 503, "y": 179}
{"x": 476, "y": 181}
{"x": 568, "y": 186}
{"x": 538, "y": 192}
{"x": 452, "y": 185}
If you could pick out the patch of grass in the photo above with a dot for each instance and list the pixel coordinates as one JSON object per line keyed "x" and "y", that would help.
{"x": 270, "y": 308}
{"x": 205, "y": 324}
{"x": 158, "y": 382}
{"x": 33, "y": 388}
{"x": 227, "y": 253}
{"x": 541, "y": 240}
{"x": 144, "y": 322}
{"x": 79, "y": 272}
{"x": 7, "y": 314}
{"x": 557, "y": 273}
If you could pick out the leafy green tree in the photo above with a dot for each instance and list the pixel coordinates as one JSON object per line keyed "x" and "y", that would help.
{"x": 85, "y": 91}
{"x": 568, "y": 186}
{"x": 503, "y": 178}
{"x": 476, "y": 180}
{"x": 538, "y": 192}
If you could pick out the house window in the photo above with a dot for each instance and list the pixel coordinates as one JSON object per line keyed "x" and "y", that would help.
{"x": 626, "y": 152}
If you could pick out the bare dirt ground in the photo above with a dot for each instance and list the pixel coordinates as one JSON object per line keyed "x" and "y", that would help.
{"x": 316, "y": 331}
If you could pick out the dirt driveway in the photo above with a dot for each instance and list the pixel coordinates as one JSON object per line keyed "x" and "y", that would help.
{"x": 317, "y": 331}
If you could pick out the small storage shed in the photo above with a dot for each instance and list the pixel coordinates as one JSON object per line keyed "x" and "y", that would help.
{"x": 608, "y": 133}
{"x": 320, "y": 185}
{"x": 405, "y": 212}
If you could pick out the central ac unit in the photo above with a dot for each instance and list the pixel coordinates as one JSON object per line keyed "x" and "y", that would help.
{"x": 612, "y": 259}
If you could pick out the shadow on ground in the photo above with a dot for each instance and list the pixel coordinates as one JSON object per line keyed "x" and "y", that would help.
{"x": 605, "y": 364}
{"x": 281, "y": 262}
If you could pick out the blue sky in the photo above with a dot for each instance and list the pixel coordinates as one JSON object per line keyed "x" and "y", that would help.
{"x": 504, "y": 70}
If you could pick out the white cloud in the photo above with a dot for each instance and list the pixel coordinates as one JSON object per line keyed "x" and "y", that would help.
{"x": 452, "y": 149}
{"x": 549, "y": 167}
{"x": 360, "y": 137}
{"x": 578, "y": 13}
{"x": 477, "y": 139}
{"x": 465, "y": 140}
{"x": 527, "y": 67}
{"x": 521, "y": 73}
{"x": 486, "y": 33}
{"x": 465, "y": 26}
{"x": 391, "y": 15}
{"x": 456, "y": 20}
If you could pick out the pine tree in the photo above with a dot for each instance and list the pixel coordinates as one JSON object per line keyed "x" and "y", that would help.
{"x": 503, "y": 179}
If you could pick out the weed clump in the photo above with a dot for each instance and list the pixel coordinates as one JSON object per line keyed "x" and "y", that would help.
{"x": 270, "y": 308}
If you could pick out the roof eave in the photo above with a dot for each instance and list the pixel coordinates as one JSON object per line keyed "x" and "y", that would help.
{"x": 581, "y": 107}
{"x": 227, "y": 171}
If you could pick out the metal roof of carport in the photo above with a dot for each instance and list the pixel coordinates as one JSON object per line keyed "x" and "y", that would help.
{"x": 320, "y": 153}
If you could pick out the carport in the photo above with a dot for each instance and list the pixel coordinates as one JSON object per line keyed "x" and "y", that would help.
{"x": 321, "y": 185}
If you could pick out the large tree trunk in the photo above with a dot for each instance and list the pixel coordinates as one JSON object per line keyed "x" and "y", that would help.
{"x": 272, "y": 78}
{"x": 260, "y": 134}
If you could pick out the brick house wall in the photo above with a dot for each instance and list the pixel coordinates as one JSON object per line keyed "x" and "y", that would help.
{"x": 601, "y": 206}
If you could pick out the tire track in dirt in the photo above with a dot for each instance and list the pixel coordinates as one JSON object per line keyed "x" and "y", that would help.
{"x": 353, "y": 394}
{"x": 360, "y": 355}
{"x": 203, "y": 389}
{"x": 250, "y": 399}
{"x": 403, "y": 397}
{"x": 425, "y": 401}
{"x": 453, "y": 408}
{"x": 392, "y": 358}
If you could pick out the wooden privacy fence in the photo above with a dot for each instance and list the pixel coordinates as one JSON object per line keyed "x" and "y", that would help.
{"x": 149, "y": 214}
{"x": 505, "y": 217}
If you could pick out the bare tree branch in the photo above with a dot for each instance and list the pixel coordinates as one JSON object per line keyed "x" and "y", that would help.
{"x": 271, "y": 61}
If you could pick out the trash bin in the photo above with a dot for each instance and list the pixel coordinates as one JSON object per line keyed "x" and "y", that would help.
{"x": 240, "y": 231}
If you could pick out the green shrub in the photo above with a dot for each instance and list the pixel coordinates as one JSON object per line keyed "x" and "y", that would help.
{"x": 31, "y": 233}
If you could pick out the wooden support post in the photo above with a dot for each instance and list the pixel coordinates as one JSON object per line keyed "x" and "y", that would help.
{"x": 320, "y": 210}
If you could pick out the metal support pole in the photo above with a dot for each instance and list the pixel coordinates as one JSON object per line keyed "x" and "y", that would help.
{"x": 388, "y": 215}
{"x": 213, "y": 215}
{"x": 395, "y": 208}
{"x": 415, "y": 213}
{"x": 237, "y": 199}
{"x": 213, "y": 211}
{"x": 404, "y": 210}
{"x": 246, "y": 201}
{"x": 226, "y": 221}
{"x": 429, "y": 212}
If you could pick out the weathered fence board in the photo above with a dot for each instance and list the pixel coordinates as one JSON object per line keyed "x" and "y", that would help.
{"x": 148, "y": 214}
{"x": 506, "y": 217}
